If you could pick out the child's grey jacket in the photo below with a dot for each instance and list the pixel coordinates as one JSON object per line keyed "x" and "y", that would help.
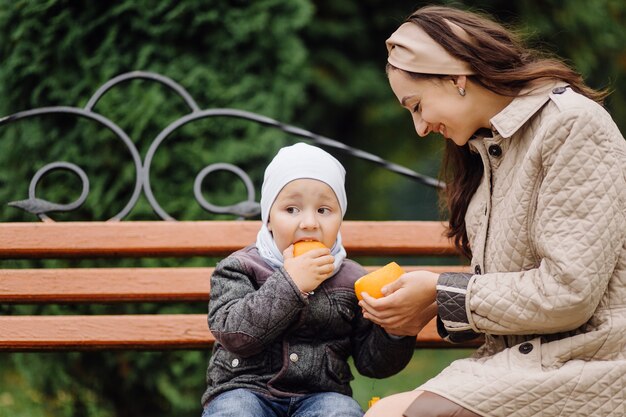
{"x": 273, "y": 340}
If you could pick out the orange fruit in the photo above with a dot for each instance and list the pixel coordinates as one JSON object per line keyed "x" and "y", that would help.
{"x": 304, "y": 246}
{"x": 373, "y": 282}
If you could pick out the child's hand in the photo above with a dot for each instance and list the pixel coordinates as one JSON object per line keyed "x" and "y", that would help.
{"x": 310, "y": 269}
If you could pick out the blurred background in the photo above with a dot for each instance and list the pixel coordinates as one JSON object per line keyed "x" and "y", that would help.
{"x": 318, "y": 65}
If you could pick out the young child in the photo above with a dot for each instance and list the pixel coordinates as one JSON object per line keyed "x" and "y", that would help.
{"x": 284, "y": 325}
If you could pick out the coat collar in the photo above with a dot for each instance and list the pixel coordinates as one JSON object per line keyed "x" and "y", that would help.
{"x": 522, "y": 108}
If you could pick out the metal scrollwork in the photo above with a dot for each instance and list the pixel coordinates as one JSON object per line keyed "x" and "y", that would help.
{"x": 244, "y": 209}
{"x": 117, "y": 131}
{"x": 39, "y": 206}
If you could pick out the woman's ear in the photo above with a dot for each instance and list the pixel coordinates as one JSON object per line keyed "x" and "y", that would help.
{"x": 459, "y": 81}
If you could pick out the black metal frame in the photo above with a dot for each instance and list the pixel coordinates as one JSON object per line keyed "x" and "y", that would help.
{"x": 244, "y": 209}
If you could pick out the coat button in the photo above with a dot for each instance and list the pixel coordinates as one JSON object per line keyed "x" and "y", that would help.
{"x": 477, "y": 270}
{"x": 293, "y": 357}
{"x": 526, "y": 348}
{"x": 495, "y": 150}
{"x": 559, "y": 90}
{"x": 235, "y": 363}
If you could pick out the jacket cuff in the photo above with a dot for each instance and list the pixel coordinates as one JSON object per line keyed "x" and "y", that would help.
{"x": 452, "y": 318}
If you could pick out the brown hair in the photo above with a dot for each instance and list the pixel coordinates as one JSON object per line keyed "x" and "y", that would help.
{"x": 502, "y": 64}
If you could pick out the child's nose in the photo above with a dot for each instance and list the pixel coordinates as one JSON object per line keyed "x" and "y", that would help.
{"x": 308, "y": 221}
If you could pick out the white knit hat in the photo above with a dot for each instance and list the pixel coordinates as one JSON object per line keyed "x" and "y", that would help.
{"x": 301, "y": 161}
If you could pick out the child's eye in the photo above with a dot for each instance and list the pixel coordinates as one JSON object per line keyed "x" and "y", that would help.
{"x": 292, "y": 210}
{"x": 417, "y": 108}
{"x": 323, "y": 210}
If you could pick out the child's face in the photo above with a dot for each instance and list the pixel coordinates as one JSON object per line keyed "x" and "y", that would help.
{"x": 305, "y": 209}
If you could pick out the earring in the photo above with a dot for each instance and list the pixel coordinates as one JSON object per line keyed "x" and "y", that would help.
{"x": 461, "y": 91}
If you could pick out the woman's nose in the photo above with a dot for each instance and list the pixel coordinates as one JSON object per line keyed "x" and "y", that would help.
{"x": 421, "y": 127}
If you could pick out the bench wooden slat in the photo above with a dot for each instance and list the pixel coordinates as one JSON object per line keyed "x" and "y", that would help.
{"x": 178, "y": 331}
{"x": 203, "y": 238}
{"x": 106, "y": 285}
{"x": 156, "y": 331}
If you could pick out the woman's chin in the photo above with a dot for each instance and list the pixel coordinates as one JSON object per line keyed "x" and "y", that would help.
{"x": 459, "y": 141}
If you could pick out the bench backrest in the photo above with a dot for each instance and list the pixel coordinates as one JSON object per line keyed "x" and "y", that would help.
{"x": 76, "y": 240}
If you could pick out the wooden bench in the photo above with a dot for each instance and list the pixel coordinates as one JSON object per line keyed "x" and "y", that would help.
{"x": 110, "y": 288}
{"x": 179, "y": 284}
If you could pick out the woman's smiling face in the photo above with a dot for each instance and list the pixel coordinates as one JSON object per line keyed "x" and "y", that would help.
{"x": 436, "y": 105}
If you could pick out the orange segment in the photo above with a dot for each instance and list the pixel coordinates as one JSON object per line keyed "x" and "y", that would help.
{"x": 373, "y": 282}
{"x": 301, "y": 247}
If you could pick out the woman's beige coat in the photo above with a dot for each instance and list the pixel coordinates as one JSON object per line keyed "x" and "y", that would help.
{"x": 547, "y": 227}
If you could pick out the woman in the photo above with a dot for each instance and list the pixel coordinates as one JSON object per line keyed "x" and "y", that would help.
{"x": 536, "y": 195}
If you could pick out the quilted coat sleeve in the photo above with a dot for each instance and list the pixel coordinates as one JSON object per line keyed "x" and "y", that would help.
{"x": 245, "y": 319}
{"x": 577, "y": 231}
{"x": 452, "y": 319}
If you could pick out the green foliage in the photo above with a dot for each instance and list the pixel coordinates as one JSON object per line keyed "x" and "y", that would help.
{"x": 350, "y": 99}
{"x": 245, "y": 55}
{"x": 591, "y": 35}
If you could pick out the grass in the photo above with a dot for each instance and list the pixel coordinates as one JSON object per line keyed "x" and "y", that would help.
{"x": 18, "y": 399}
{"x": 425, "y": 364}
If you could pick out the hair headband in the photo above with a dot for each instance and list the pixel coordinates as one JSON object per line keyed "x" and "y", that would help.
{"x": 411, "y": 49}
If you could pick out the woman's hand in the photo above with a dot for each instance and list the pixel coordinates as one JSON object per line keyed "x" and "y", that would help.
{"x": 408, "y": 305}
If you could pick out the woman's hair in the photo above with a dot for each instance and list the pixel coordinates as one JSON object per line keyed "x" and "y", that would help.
{"x": 502, "y": 64}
